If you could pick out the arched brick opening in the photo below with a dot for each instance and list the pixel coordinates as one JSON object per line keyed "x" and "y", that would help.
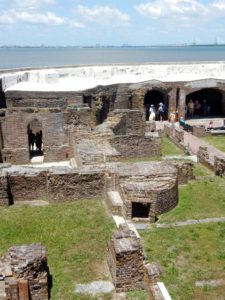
{"x": 154, "y": 97}
{"x": 35, "y": 138}
{"x": 210, "y": 100}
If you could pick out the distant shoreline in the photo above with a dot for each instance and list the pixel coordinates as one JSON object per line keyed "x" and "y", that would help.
{"x": 111, "y": 46}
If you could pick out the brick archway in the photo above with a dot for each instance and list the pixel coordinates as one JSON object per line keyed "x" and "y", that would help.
{"x": 210, "y": 100}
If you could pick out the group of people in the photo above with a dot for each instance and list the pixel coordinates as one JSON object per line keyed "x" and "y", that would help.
{"x": 158, "y": 113}
{"x": 35, "y": 141}
{"x": 197, "y": 109}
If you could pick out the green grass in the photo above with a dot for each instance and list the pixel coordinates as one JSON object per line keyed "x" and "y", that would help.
{"x": 75, "y": 236}
{"x": 169, "y": 148}
{"x": 188, "y": 254}
{"x": 200, "y": 170}
{"x": 216, "y": 141}
{"x": 137, "y": 295}
{"x": 203, "y": 198}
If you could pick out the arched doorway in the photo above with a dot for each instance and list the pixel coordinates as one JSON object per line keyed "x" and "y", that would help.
{"x": 154, "y": 97}
{"x": 207, "y": 103}
{"x": 35, "y": 138}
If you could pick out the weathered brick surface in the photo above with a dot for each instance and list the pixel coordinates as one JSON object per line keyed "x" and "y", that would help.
{"x": 30, "y": 262}
{"x": 15, "y": 135}
{"x": 185, "y": 171}
{"x": 42, "y": 99}
{"x": 65, "y": 187}
{"x": 4, "y": 196}
{"x": 125, "y": 260}
{"x": 28, "y": 187}
{"x": 203, "y": 156}
{"x": 137, "y": 146}
{"x": 219, "y": 166}
{"x": 153, "y": 183}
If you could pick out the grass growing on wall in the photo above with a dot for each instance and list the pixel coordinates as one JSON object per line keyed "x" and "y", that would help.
{"x": 74, "y": 234}
{"x": 216, "y": 141}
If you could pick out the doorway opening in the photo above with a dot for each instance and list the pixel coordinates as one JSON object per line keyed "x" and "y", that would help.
{"x": 154, "y": 98}
{"x": 35, "y": 138}
{"x": 206, "y": 102}
{"x": 102, "y": 113}
{"x": 140, "y": 210}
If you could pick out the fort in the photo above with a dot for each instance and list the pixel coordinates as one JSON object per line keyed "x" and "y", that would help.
{"x": 90, "y": 120}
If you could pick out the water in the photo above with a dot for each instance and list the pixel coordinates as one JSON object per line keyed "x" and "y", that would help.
{"x": 40, "y": 57}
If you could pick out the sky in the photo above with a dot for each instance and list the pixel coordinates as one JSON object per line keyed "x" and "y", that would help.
{"x": 115, "y": 22}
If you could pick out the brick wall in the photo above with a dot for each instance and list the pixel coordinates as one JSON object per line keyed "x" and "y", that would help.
{"x": 64, "y": 187}
{"x": 43, "y": 99}
{"x": 27, "y": 273}
{"x": 137, "y": 146}
{"x": 50, "y": 186}
{"x": 219, "y": 166}
{"x": 125, "y": 260}
{"x": 28, "y": 187}
{"x": 15, "y": 135}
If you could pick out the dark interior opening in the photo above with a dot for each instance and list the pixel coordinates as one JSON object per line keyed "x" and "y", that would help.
{"x": 210, "y": 103}
{"x": 102, "y": 114}
{"x": 154, "y": 97}
{"x": 140, "y": 210}
{"x": 87, "y": 100}
{"x": 35, "y": 138}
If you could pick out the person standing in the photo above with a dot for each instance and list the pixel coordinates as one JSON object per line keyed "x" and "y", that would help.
{"x": 191, "y": 109}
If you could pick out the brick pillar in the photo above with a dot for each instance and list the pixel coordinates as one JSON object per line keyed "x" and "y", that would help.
{"x": 172, "y": 101}
{"x": 181, "y": 105}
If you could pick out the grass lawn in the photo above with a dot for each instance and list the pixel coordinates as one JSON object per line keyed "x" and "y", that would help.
{"x": 203, "y": 198}
{"x": 216, "y": 141}
{"x": 169, "y": 148}
{"x": 189, "y": 254}
{"x": 74, "y": 234}
{"x": 194, "y": 252}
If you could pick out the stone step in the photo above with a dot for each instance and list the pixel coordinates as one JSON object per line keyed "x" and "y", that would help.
{"x": 114, "y": 202}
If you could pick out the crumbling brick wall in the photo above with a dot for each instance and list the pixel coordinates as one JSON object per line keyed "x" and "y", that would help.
{"x": 74, "y": 186}
{"x": 185, "y": 171}
{"x": 137, "y": 146}
{"x": 4, "y": 196}
{"x": 203, "y": 157}
{"x": 219, "y": 166}
{"x": 25, "y": 273}
{"x": 43, "y": 99}
{"x": 28, "y": 187}
{"x": 15, "y": 135}
{"x": 125, "y": 260}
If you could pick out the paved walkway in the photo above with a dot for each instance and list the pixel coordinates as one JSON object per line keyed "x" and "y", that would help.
{"x": 194, "y": 142}
{"x": 143, "y": 226}
{"x": 191, "y": 222}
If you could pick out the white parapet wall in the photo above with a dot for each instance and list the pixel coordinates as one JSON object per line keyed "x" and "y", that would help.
{"x": 85, "y": 77}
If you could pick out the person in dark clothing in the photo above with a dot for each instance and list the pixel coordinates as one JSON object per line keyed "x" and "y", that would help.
{"x": 31, "y": 138}
{"x": 39, "y": 141}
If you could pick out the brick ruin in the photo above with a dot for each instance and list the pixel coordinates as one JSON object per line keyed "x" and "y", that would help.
{"x": 24, "y": 273}
{"x": 94, "y": 130}
{"x": 125, "y": 260}
{"x": 128, "y": 266}
{"x": 142, "y": 190}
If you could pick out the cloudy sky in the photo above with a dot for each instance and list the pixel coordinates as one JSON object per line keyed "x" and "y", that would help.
{"x": 133, "y": 22}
